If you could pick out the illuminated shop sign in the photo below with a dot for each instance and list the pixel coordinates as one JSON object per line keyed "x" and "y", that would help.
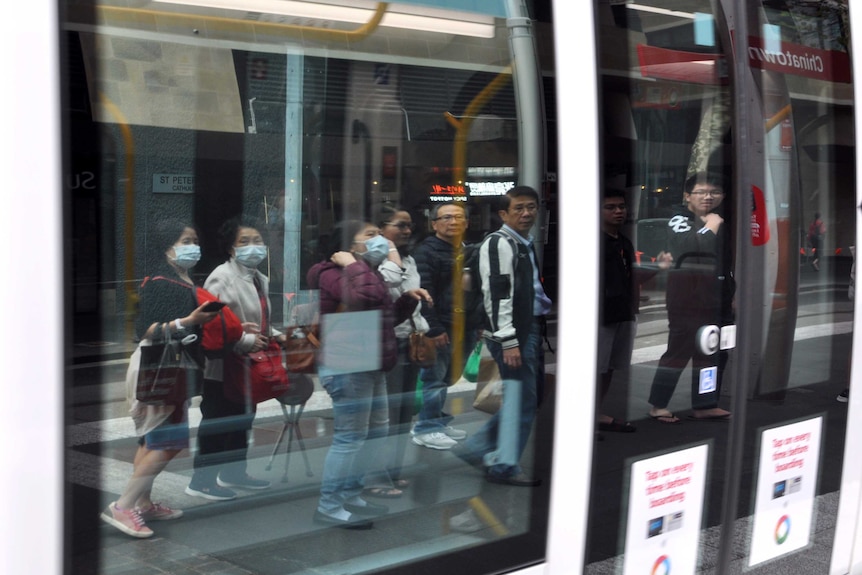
{"x": 489, "y": 188}
{"x": 448, "y": 193}
{"x": 487, "y": 181}
{"x": 480, "y": 172}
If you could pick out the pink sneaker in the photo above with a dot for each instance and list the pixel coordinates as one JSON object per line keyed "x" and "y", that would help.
{"x": 159, "y": 512}
{"x": 126, "y": 520}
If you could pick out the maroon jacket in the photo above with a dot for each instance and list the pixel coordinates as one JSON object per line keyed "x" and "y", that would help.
{"x": 361, "y": 288}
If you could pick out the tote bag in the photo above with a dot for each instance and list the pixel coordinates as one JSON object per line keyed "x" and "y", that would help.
{"x": 166, "y": 371}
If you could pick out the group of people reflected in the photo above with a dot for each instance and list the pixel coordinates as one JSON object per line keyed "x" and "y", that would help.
{"x": 697, "y": 265}
{"x": 375, "y": 288}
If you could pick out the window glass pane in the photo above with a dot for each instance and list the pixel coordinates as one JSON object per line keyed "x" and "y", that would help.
{"x": 720, "y": 318}
{"x": 319, "y": 167}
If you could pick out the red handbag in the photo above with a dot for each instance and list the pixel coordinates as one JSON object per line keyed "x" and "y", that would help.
{"x": 255, "y": 376}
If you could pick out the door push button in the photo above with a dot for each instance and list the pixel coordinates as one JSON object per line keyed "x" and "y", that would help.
{"x": 711, "y": 338}
{"x": 708, "y": 339}
{"x": 728, "y": 337}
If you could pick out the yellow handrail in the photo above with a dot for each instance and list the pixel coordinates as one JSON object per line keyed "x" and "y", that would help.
{"x": 778, "y": 117}
{"x": 459, "y": 161}
{"x": 196, "y": 21}
{"x": 129, "y": 197}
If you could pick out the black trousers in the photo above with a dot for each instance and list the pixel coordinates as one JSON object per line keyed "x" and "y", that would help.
{"x": 223, "y": 434}
{"x": 682, "y": 347}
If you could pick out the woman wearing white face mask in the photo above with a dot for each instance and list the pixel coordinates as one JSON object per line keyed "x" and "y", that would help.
{"x": 167, "y": 300}
{"x": 348, "y": 281}
{"x": 220, "y": 463}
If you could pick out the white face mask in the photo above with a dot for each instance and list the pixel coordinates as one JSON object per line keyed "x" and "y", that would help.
{"x": 250, "y": 256}
{"x": 187, "y": 256}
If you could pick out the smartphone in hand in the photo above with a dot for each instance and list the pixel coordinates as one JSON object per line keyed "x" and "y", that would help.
{"x": 214, "y": 306}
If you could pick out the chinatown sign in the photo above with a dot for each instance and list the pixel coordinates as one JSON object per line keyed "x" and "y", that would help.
{"x": 798, "y": 60}
{"x": 701, "y": 68}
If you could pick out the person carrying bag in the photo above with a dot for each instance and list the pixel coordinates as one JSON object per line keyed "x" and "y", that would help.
{"x": 165, "y": 371}
{"x": 162, "y": 374}
{"x": 233, "y": 382}
{"x": 260, "y": 375}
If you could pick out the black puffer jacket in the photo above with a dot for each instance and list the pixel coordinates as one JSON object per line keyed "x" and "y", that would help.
{"x": 435, "y": 260}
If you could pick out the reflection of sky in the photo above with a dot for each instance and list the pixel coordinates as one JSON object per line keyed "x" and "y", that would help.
{"x": 704, "y": 29}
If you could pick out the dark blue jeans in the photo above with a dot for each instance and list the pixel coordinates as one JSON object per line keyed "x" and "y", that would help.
{"x": 435, "y": 386}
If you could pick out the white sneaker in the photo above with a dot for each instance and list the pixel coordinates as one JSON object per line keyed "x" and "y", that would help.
{"x": 466, "y": 522}
{"x": 456, "y": 434}
{"x": 434, "y": 440}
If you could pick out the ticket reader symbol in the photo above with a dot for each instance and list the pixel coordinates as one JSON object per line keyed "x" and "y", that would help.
{"x": 708, "y": 339}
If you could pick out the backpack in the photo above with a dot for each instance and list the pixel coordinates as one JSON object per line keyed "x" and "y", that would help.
{"x": 474, "y": 299}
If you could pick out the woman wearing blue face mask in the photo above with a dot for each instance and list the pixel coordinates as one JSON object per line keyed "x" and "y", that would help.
{"x": 167, "y": 301}
{"x": 348, "y": 281}
{"x": 400, "y": 273}
{"x": 220, "y": 463}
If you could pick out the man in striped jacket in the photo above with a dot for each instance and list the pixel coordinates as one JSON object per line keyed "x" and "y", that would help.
{"x": 515, "y": 304}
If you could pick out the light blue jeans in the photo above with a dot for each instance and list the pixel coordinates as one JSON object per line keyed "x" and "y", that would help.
{"x": 501, "y": 441}
{"x": 361, "y": 413}
{"x": 435, "y": 387}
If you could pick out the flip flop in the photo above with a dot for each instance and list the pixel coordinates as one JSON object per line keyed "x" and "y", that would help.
{"x": 667, "y": 418}
{"x": 383, "y": 492}
{"x": 617, "y": 426}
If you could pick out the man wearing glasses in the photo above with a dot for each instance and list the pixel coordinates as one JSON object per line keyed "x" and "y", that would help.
{"x": 516, "y": 306}
{"x": 699, "y": 293}
{"x": 435, "y": 259}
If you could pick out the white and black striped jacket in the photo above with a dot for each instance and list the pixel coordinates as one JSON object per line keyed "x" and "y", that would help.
{"x": 507, "y": 287}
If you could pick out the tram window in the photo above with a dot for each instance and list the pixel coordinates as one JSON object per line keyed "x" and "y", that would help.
{"x": 277, "y": 160}
{"x": 719, "y": 319}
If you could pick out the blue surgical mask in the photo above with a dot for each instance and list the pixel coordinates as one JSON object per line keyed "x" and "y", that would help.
{"x": 187, "y": 256}
{"x": 377, "y": 248}
{"x": 250, "y": 256}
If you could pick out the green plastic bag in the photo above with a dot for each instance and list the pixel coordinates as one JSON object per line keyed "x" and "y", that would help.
{"x": 471, "y": 369}
{"x": 417, "y": 397}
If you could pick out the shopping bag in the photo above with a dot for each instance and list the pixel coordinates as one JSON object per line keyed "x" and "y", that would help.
{"x": 164, "y": 372}
{"x": 489, "y": 387}
{"x": 417, "y": 396}
{"x": 471, "y": 368}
